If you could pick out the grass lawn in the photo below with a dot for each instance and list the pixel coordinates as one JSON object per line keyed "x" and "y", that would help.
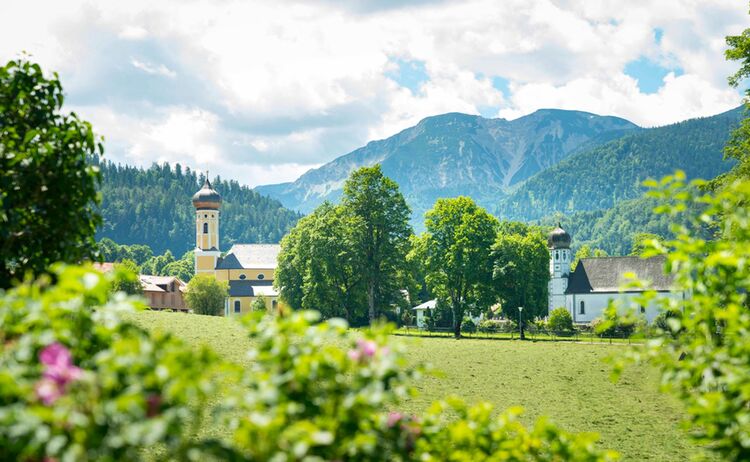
{"x": 568, "y": 382}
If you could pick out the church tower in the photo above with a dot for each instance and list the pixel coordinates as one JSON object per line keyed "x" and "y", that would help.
{"x": 559, "y": 266}
{"x": 207, "y": 203}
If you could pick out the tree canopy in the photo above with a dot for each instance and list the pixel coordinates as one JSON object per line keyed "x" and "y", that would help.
{"x": 458, "y": 261}
{"x": 380, "y": 233}
{"x": 206, "y": 295}
{"x": 47, "y": 186}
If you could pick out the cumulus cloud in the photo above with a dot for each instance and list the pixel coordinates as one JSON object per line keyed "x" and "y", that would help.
{"x": 262, "y": 90}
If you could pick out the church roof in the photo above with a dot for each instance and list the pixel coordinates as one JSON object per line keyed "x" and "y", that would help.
{"x": 606, "y": 274}
{"x": 251, "y": 289}
{"x": 250, "y": 256}
{"x": 207, "y": 197}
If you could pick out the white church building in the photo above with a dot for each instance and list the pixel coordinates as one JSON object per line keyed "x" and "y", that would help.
{"x": 587, "y": 290}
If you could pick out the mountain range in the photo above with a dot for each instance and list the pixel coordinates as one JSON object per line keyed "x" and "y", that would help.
{"x": 546, "y": 162}
{"x": 458, "y": 154}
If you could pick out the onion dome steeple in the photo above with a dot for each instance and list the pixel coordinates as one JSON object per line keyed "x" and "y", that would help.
{"x": 207, "y": 197}
{"x": 558, "y": 238}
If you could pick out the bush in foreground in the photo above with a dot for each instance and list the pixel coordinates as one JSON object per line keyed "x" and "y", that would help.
{"x": 79, "y": 383}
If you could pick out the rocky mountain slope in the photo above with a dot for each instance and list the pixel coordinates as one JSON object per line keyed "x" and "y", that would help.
{"x": 458, "y": 154}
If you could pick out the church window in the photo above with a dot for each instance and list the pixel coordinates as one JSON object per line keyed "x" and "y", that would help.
{"x": 643, "y": 309}
{"x": 274, "y": 304}
{"x": 557, "y": 255}
{"x": 261, "y": 276}
{"x": 205, "y": 216}
{"x": 583, "y": 308}
{"x": 242, "y": 276}
{"x": 236, "y": 306}
{"x": 205, "y": 228}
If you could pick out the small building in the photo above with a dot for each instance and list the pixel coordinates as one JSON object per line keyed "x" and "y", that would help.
{"x": 423, "y": 310}
{"x": 164, "y": 292}
{"x": 595, "y": 282}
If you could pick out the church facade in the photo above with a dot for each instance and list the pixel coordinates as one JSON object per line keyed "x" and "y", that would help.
{"x": 247, "y": 268}
{"x": 595, "y": 282}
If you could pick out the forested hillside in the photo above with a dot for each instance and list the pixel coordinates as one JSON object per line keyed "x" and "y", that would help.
{"x": 600, "y": 178}
{"x": 154, "y": 207}
{"x": 613, "y": 229}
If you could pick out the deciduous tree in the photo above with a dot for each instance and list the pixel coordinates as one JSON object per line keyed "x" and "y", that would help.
{"x": 47, "y": 186}
{"x": 381, "y": 230}
{"x": 458, "y": 261}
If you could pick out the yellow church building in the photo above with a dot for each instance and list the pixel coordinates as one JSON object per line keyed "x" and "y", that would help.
{"x": 248, "y": 268}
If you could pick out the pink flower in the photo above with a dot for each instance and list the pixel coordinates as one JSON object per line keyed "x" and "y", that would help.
{"x": 59, "y": 371}
{"x": 55, "y": 354}
{"x": 394, "y": 418}
{"x": 153, "y": 403}
{"x": 48, "y": 391}
{"x": 354, "y": 355}
{"x": 367, "y": 347}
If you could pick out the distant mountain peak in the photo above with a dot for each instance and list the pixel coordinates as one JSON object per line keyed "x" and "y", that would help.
{"x": 457, "y": 154}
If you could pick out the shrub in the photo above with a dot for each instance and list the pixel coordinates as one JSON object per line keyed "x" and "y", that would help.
{"x": 79, "y": 383}
{"x": 560, "y": 320}
{"x": 496, "y": 325}
{"x": 468, "y": 326}
{"x": 259, "y": 304}
{"x": 206, "y": 295}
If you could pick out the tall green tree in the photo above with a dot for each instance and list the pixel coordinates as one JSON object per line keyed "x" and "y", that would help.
{"x": 319, "y": 266}
{"x": 458, "y": 260}
{"x": 47, "y": 186}
{"x": 206, "y": 295}
{"x": 381, "y": 230}
{"x": 521, "y": 272}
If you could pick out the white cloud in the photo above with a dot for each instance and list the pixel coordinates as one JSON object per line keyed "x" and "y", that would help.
{"x": 159, "y": 69}
{"x": 265, "y": 89}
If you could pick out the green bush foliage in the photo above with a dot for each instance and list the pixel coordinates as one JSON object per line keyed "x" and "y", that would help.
{"x": 560, "y": 320}
{"x": 206, "y": 295}
{"x": 704, "y": 354}
{"x": 78, "y": 383}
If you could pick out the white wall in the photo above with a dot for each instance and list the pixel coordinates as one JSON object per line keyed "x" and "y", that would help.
{"x": 596, "y": 303}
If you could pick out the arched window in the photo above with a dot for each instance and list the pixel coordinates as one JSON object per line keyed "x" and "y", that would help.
{"x": 205, "y": 228}
{"x": 236, "y": 306}
{"x": 583, "y": 308}
{"x": 557, "y": 255}
{"x": 261, "y": 276}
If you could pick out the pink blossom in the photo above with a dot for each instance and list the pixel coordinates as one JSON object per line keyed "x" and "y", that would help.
{"x": 58, "y": 372}
{"x": 354, "y": 355}
{"x": 367, "y": 347}
{"x": 55, "y": 354}
{"x": 153, "y": 403}
{"x": 48, "y": 391}
{"x": 394, "y": 418}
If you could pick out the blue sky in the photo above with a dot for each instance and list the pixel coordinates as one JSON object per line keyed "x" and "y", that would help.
{"x": 261, "y": 91}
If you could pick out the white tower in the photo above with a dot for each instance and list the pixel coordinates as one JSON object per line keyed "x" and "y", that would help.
{"x": 559, "y": 266}
{"x": 207, "y": 203}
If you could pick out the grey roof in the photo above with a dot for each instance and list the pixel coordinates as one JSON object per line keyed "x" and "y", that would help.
{"x": 606, "y": 274}
{"x": 251, "y": 288}
{"x": 250, "y": 256}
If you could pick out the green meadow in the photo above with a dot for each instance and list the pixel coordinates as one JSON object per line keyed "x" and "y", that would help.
{"x": 567, "y": 382}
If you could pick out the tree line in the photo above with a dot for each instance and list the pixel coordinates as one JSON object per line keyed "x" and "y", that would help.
{"x": 152, "y": 207}
{"x": 360, "y": 260}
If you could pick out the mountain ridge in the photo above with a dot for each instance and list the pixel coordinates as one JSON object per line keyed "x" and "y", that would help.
{"x": 456, "y": 153}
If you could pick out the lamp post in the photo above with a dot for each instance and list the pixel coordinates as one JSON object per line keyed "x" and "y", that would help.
{"x": 520, "y": 322}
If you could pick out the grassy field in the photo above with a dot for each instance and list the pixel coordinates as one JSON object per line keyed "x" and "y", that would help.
{"x": 568, "y": 382}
